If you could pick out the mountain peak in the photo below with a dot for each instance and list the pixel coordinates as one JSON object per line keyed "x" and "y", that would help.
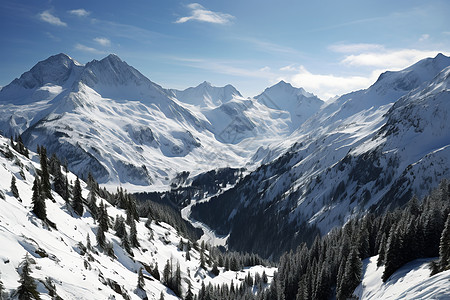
{"x": 207, "y": 95}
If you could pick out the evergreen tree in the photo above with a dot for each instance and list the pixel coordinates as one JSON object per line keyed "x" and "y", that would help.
{"x": 188, "y": 255}
{"x": 444, "y": 247}
{"x": 351, "y": 277}
{"x": 38, "y": 200}
{"x": 88, "y": 243}
{"x": 92, "y": 204}
{"x": 14, "y": 189}
{"x": 141, "y": 282}
{"x": 133, "y": 235}
{"x": 119, "y": 226}
{"x": 167, "y": 273}
{"x": 27, "y": 288}
{"x": 215, "y": 270}
{"x": 45, "y": 176}
{"x": 125, "y": 243}
{"x": 393, "y": 256}
{"x": 103, "y": 218}
{"x": 155, "y": 272}
{"x": 161, "y": 296}
{"x": 189, "y": 294}
{"x": 381, "y": 250}
{"x": 66, "y": 195}
{"x": 77, "y": 202}
{"x": 101, "y": 239}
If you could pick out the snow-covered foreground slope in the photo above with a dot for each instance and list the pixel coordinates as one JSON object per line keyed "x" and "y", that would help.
{"x": 58, "y": 256}
{"x": 412, "y": 281}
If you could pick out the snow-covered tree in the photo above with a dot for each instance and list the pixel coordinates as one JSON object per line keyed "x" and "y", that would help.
{"x": 14, "y": 189}
{"x": 77, "y": 202}
{"x": 38, "y": 200}
{"x": 27, "y": 287}
{"x": 444, "y": 247}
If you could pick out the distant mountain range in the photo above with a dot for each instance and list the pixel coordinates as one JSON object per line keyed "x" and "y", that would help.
{"x": 107, "y": 118}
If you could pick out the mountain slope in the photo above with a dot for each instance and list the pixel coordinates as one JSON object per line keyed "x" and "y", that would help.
{"x": 342, "y": 163}
{"x": 412, "y": 281}
{"x": 300, "y": 104}
{"x": 60, "y": 255}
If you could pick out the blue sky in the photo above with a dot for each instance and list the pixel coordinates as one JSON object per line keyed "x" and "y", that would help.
{"x": 328, "y": 47}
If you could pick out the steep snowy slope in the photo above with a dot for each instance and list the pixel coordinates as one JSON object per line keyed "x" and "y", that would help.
{"x": 59, "y": 255}
{"x": 412, "y": 281}
{"x": 345, "y": 160}
{"x": 300, "y": 104}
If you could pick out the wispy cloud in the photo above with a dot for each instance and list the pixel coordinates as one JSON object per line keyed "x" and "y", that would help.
{"x": 269, "y": 47}
{"x": 81, "y": 12}
{"x": 227, "y": 67}
{"x": 201, "y": 14}
{"x": 102, "y": 41}
{"x": 85, "y": 48}
{"x": 352, "y": 48}
{"x": 424, "y": 37}
{"x": 48, "y": 17}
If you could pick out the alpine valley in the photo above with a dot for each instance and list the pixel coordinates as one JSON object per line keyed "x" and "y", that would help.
{"x": 289, "y": 196}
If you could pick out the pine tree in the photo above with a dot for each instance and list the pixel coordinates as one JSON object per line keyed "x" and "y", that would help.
{"x": 189, "y": 294}
{"x": 1, "y": 289}
{"x": 119, "y": 226}
{"x": 101, "y": 239}
{"x": 103, "y": 218}
{"x": 393, "y": 256}
{"x": 177, "y": 281}
{"x": 155, "y": 272}
{"x": 77, "y": 202}
{"x": 27, "y": 288}
{"x": 188, "y": 255}
{"x": 141, "y": 282}
{"x": 133, "y": 235}
{"x": 14, "y": 189}
{"x": 444, "y": 247}
{"x": 125, "y": 243}
{"x": 161, "y": 296}
{"x": 92, "y": 204}
{"x": 167, "y": 273}
{"x": 215, "y": 270}
{"x": 45, "y": 176}
{"x": 352, "y": 275}
{"x": 88, "y": 243}
{"x": 382, "y": 250}
{"x": 38, "y": 200}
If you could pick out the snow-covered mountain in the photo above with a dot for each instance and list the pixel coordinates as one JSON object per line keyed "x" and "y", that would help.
{"x": 300, "y": 104}
{"x": 107, "y": 118}
{"x": 366, "y": 150}
{"x": 206, "y": 95}
{"x": 61, "y": 260}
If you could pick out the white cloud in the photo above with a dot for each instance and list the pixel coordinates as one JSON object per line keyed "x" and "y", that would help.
{"x": 85, "y": 48}
{"x": 47, "y": 16}
{"x": 325, "y": 85}
{"x": 388, "y": 59}
{"x": 424, "y": 37}
{"x": 352, "y": 48}
{"x": 102, "y": 41}
{"x": 81, "y": 12}
{"x": 199, "y": 13}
